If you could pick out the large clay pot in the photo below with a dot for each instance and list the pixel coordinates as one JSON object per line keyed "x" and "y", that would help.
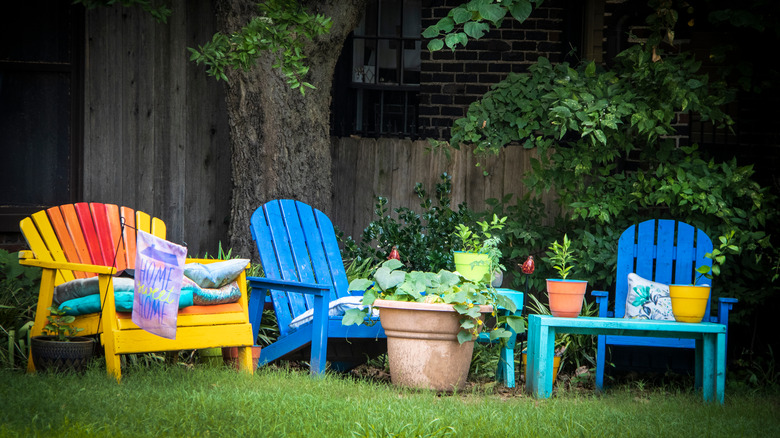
{"x": 471, "y": 265}
{"x": 422, "y": 344}
{"x": 689, "y": 303}
{"x": 566, "y": 297}
{"x": 50, "y": 354}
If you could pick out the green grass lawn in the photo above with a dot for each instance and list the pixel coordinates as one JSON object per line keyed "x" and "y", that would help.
{"x": 177, "y": 401}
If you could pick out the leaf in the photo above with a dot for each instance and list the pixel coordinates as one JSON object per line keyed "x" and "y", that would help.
{"x": 387, "y": 279}
{"x": 354, "y": 316}
{"x": 431, "y": 32}
{"x": 520, "y": 10}
{"x": 464, "y": 336}
{"x": 475, "y": 30}
{"x": 461, "y": 15}
{"x": 434, "y": 45}
{"x": 492, "y": 12}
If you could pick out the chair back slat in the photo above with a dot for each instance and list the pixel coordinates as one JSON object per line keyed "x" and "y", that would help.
{"x": 76, "y": 234}
{"x": 665, "y": 251}
{"x": 103, "y": 230}
{"x": 297, "y": 243}
{"x": 84, "y": 214}
{"x": 64, "y": 238}
{"x": 128, "y": 232}
{"x": 115, "y": 231}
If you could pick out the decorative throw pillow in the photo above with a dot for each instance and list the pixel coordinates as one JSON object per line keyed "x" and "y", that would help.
{"x": 215, "y": 275}
{"x": 229, "y": 293}
{"x": 124, "y": 287}
{"x": 647, "y": 299}
{"x": 122, "y": 299}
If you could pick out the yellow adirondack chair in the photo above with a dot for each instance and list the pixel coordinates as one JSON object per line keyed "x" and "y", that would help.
{"x": 86, "y": 240}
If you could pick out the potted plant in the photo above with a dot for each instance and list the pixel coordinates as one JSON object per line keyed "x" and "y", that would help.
{"x": 689, "y": 302}
{"x": 431, "y": 321}
{"x": 566, "y": 296}
{"x": 479, "y": 257}
{"x": 59, "y": 349}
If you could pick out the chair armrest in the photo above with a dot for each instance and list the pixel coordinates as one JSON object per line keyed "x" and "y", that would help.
{"x": 602, "y": 301}
{"x": 95, "y": 269}
{"x": 724, "y": 306}
{"x": 289, "y": 286}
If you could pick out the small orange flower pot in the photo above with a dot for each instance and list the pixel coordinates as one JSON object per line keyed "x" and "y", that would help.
{"x": 566, "y": 297}
{"x": 556, "y": 365}
{"x": 689, "y": 303}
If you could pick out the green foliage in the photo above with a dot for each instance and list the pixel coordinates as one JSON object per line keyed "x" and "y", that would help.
{"x": 18, "y": 298}
{"x": 281, "y": 28}
{"x": 718, "y": 256}
{"x": 561, "y": 257}
{"x": 424, "y": 240}
{"x": 472, "y": 19}
{"x": 390, "y": 282}
{"x": 59, "y": 324}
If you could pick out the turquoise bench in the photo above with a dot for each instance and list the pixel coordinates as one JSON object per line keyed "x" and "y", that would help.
{"x": 710, "y": 339}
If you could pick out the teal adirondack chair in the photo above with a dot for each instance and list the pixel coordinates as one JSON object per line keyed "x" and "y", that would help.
{"x": 664, "y": 251}
{"x": 304, "y": 272}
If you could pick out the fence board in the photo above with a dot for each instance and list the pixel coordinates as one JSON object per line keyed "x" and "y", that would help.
{"x": 366, "y": 168}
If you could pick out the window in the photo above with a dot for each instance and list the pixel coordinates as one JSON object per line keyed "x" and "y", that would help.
{"x": 378, "y": 75}
{"x": 40, "y": 115}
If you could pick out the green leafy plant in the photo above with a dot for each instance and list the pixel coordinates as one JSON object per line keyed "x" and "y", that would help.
{"x": 424, "y": 239}
{"x": 561, "y": 257}
{"x": 718, "y": 257}
{"x": 59, "y": 324}
{"x": 483, "y": 241}
{"x": 390, "y": 282}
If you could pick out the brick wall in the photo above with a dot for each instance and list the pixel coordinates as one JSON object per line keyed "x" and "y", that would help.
{"x": 450, "y": 81}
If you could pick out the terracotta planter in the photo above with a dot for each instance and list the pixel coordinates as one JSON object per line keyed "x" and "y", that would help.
{"x": 51, "y": 354}
{"x": 689, "y": 303}
{"x": 422, "y": 344}
{"x": 566, "y": 297}
{"x": 471, "y": 265}
{"x": 230, "y": 356}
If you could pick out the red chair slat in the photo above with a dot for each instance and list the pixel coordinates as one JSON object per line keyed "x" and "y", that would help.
{"x": 90, "y": 233}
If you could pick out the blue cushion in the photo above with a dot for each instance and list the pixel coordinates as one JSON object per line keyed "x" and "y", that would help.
{"x": 215, "y": 275}
{"x": 122, "y": 298}
{"x": 229, "y": 293}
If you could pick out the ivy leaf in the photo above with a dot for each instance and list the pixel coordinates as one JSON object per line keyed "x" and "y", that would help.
{"x": 434, "y": 45}
{"x": 461, "y": 15}
{"x": 354, "y": 316}
{"x": 475, "y": 29}
{"x": 520, "y": 10}
{"x": 492, "y": 12}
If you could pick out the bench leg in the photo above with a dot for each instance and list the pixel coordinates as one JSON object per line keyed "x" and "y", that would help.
{"x": 541, "y": 350}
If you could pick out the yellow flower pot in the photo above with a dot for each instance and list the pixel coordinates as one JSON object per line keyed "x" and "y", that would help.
{"x": 556, "y": 365}
{"x": 689, "y": 303}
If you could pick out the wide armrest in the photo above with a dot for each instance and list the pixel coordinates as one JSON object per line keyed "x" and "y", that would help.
{"x": 289, "y": 286}
{"x": 602, "y": 301}
{"x": 96, "y": 269}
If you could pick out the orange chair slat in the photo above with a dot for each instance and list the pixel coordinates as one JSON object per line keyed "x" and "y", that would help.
{"x": 74, "y": 228}
{"x": 64, "y": 237}
{"x": 48, "y": 246}
{"x": 115, "y": 229}
{"x": 90, "y": 233}
{"x": 129, "y": 233}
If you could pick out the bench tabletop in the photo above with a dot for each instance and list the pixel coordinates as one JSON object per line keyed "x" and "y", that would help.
{"x": 593, "y": 325}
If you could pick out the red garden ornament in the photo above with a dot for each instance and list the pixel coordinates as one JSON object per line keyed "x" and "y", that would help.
{"x": 394, "y": 254}
{"x": 528, "y": 265}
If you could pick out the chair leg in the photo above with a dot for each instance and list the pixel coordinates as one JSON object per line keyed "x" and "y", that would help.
{"x": 600, "y": 362}
{"x": 114, "y": 365}
{"x": 245, "y": 360}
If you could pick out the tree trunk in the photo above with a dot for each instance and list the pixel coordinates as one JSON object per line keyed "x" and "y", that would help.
{"x": 280, "y": 139}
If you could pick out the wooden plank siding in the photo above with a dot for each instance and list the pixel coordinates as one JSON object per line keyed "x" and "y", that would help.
{"x": 156, "y": 130}
{"x": 366, "y": 168}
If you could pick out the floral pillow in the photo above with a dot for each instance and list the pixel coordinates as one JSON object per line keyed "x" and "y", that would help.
{"x": 647, "y": 299}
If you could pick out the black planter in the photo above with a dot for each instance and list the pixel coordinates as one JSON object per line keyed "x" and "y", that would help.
{"x": 50, "y": 354}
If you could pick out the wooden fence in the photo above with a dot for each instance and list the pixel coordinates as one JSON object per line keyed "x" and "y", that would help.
{"x": 366, "y": 168}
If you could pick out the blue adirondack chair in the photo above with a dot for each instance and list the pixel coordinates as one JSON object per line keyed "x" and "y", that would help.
{"x": 304, "y": 270}
{"x": 664, "y": 251}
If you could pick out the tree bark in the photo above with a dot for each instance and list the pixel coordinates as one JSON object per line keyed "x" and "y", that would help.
{"x": 280, "y": 140}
